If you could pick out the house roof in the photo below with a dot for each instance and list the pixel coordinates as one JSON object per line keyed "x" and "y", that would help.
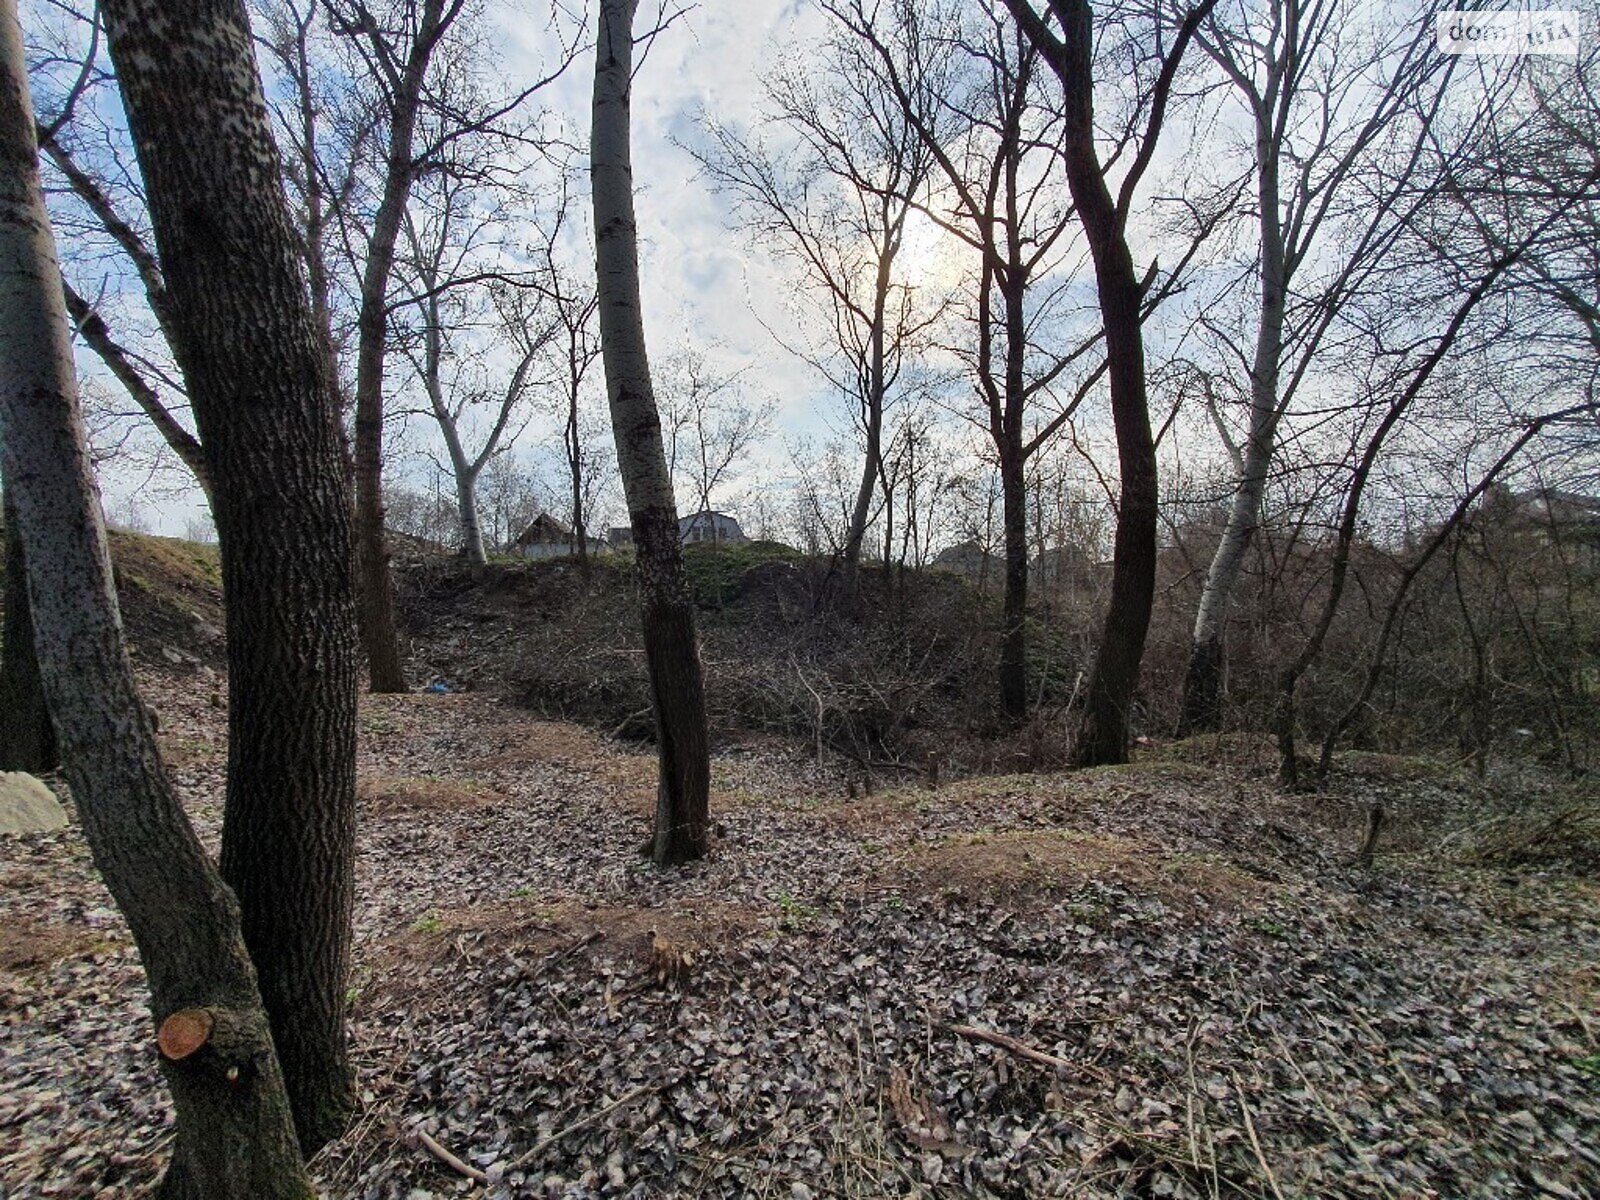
{"x": 714, "y": 514}
{"x": 544, "y": 528}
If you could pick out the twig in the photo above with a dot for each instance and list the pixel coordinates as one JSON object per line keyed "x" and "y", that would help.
{"x": 543, "y": 965}
{"x": 450, "y": 1160}
{"x": 1023, "y": 1050}
{"x": 584, "y": 1122}
{"x": 1255, "y": 1142}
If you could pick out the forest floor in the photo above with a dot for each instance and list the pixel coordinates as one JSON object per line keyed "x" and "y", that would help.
{"x": 1206, "y": 996}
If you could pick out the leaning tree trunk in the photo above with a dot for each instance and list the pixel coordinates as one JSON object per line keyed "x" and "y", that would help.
{"x": 872, "y": 419}
{"x": 1202, "y": 687}
{"x": 257, "y": 376}
{"x": 27, "y": 737}
{"x": 235, "y": 1135}
{"x": 671, "y": 651}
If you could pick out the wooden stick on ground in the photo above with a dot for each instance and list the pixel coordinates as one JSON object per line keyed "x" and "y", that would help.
{"x": 1255, "y": 1142}
{"x": 450, "y": 1160}
{"x": 1023, "y": 1050}
{"x": 584, "y": 1123}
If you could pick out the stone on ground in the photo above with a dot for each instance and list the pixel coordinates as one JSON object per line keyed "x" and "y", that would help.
{"x": 27, "y": 805}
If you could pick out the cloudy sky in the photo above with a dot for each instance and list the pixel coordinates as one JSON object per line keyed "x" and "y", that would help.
{"x": 703, "y": 284}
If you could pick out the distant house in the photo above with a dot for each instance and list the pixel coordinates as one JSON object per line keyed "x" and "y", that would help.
{"x": 707, "y": 526}
{"x": 545, "y": 537}
{"x": 704, "y": 527}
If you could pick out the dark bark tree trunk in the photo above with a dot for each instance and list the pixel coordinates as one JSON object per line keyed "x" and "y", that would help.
{"x": 872, "y": 412}
{"x": 1013, "y": 462}
{"x": 380, "y": 634}
{"x": 671, "y": 649}
{"x": 1014, "y": 636}
{"x": 1103, "y": 731}
{"x": 235, "y": 1136}
{"x": 27, "y": 736}
{"x": 257, "y": 375}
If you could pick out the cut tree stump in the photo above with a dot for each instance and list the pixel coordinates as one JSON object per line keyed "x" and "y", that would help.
{"x": 184, "y": 1032}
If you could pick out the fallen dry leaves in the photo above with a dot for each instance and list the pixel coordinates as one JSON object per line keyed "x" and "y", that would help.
{"x": 1216, "y": 1001}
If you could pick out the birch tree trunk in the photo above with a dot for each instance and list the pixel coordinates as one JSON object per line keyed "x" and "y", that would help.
{"x": 256, "y": 372}
{"x": 1202, "y": 688}
{"x": 671, "y": 649}
{"x": 235, "y": 1136}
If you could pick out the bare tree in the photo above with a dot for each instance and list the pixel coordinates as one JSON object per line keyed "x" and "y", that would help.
{"x": 408, "y": 53}
{"x": 1404, "y": 382}
{"x": 1103, "y": 734}
{"x": 398, "y": 58}
{"x": 1329, "y": 119}
{"x": 837, "y": 208}
{"x": 573, "y": 350}
{"x": 257, "y": 375}
{"x": 966, "y": 80}
{"x": 443, "y": 242}
{"x": 235, "y": 1130}
{"x": 671, "y": 648}
{"x": 710, "y": 427}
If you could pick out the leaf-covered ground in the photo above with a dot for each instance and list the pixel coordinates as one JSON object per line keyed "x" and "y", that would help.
{"x": 1196, "y": 991}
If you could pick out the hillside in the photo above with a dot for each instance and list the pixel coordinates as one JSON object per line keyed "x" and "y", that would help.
{"x": 1167, "y": 979}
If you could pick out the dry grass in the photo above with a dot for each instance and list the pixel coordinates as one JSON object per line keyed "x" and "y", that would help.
{"x": 1555, "y": 832}
{"x": 1034, "y": 866}
{"x": 31, "y": 945}
{"x": 526, "y": 930}
{"x": 524, "y": 742}
{"x": 1252, "y": 753}
{"x": 388, "y": 795}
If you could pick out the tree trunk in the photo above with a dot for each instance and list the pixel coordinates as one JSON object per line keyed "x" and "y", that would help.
{"x": 872, "y": 469}
{"x": 862, "y": 509}
{"x": 671, "y": 650}
{"x": 580, "y": 537}
{"x": 1013, "y": 473}
{"x": 257, "y": 375}
{"x": 471, "y": 527}
{"x": 235, "y": 1135}
{"x": 1014, "y": 637}
{"x": 1202, "y": 688}
{"x": 27, "y": 736}
{"x": 1103, "y": 732}
{"x": 380, "y": 635}
{"x": 461, "y": 468}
